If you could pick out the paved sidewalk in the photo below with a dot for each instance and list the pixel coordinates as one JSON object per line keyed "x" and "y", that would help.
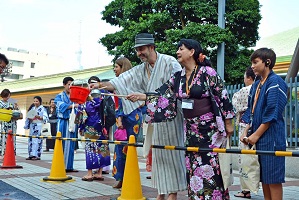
{"x": 27, "y": 183}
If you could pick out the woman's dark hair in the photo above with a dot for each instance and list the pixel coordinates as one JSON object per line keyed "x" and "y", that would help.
{"x": 51, "y": 100}
{"x": 93, "y": 78}
{"x": 193, "y": 44}
{"x": 30, "y": 107}
{"x": 39, "y": 99}
{"x": 249, "y": 73}
{"x": 5, "y": 93}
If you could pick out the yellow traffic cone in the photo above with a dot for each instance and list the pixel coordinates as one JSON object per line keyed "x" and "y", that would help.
{"x": 58, "y": 169}
{"x": 131, "y": 187}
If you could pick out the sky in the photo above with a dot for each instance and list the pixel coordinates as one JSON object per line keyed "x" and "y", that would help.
{"x": 63, "y": 27}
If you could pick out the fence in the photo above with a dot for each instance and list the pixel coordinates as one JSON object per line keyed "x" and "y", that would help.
{"x": 291, "y": 114}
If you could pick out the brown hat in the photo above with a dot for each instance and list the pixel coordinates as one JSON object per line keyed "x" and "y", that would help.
{"x": 143, "y": 39}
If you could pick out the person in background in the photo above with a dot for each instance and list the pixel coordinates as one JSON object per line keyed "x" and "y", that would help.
{"x": 51, "y": 110}
{"x": 240, "y": 103}
{"x": 168, "y": 171}
{"x": 3, "y": 62}
{"x": 108, "y": 114}
{"x": 265, "y": 124}
{"x": 92, "y": 127}
{"x": 64, "y": 108}
{"x": 195, "y": 87}
{"x": 35, "y": 127}
{"x": 6, "y": 126}
{"x": 130, "y": 122}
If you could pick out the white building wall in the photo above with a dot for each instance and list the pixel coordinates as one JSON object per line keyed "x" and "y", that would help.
{"x": 45, "y": 64}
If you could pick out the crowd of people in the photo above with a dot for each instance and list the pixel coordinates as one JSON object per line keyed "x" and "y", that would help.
{"x": 202, "y": 117}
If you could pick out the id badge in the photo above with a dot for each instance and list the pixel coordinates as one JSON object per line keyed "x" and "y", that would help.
{"x": 187, "y": 103}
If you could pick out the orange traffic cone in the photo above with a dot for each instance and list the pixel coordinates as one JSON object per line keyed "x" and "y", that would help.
{"x": 58, "y": 169}
{"x": 129, "y": 190}
{"x": 9, "y": 160}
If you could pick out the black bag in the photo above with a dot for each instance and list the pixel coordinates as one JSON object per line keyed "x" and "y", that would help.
{"x": 107, "y": 110}
{"x": 162, "y": 105}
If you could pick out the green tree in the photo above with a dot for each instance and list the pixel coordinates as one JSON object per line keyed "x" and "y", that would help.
{"x": 171, "y": 20}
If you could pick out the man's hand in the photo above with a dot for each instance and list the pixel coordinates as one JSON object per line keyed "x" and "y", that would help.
{"x": 94, "y": 86}
{"x": 136, "y": 97}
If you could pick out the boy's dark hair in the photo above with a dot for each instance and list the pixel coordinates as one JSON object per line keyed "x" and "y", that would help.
{"x": 5, "y": 93}
{"x": 265, "y": 55}
{"x": 94, "y": 78}
{"x": 3, "y": 58}
{"x": 67, "y": 79}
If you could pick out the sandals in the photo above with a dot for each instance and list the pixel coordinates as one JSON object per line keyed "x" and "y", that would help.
{"x": 243, "y": 194}
{"x": 98, "y": 178}
{"x": 84, "y": 178}
{"x": 71, "y": 170}
{"x": 33, "y": 158}
{"x": 118, "y": 185}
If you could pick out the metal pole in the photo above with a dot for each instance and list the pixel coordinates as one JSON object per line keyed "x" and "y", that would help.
{"x": 220, "y": 49}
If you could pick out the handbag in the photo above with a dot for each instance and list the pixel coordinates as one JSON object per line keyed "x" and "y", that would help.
{"x": 217, "y": 112}
{"x": 226, "y": 166}
{"x": 46, "y": 129}
{"x": 72, "y": 118}
{"x": 162, "y": 104}
{"x": 120, "y": 135}
{"x": 249, "y": 171}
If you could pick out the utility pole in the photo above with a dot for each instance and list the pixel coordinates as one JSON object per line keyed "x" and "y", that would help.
{"x": 220, "y": 49}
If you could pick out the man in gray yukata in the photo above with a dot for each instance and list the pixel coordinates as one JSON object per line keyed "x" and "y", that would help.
{"x": 168, "y": 167}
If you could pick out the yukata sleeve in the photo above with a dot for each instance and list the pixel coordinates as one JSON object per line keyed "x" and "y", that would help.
{"x": 120, "y": 111}
{"x": 240, "y": 100}
{"x": 220, "y": 93}
{"x": 276, "y": 101}
{"x": 45, "y": 115}
{"x": 62, "y": 107}
{"x": 247, "y": 113}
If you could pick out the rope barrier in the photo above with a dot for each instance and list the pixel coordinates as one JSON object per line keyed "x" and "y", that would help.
{"x": 192, "y": 149}
{"x": 82, "y": 140}
{"x": 234, "y": 151}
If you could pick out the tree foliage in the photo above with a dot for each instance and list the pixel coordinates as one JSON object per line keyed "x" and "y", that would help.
{"x": 171, "y": 20}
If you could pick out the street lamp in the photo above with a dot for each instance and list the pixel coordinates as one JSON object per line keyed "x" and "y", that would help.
{"x": 6, "y": 71}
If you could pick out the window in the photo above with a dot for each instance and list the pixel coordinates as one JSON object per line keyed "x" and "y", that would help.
{"x": 15, "y": 76}
{"x": 32, "y": 65}
{"x": 17, "y": 63}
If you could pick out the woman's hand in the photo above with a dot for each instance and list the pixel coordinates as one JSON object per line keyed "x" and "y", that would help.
{"x": 229, "y": 128}
{"x": 38, "y": 117}
{"x": 136, "y": 97}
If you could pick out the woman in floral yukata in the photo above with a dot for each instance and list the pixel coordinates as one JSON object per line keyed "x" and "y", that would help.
{"x": 193, "y": 86}
{"x": 131, "y": 122}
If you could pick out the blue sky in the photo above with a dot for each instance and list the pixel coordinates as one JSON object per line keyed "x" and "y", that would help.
{"x": 53, "y": 26}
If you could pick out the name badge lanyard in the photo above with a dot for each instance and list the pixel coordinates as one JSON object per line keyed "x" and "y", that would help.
{"x": 256, "y": 96}
{"x": 188, "y": 87}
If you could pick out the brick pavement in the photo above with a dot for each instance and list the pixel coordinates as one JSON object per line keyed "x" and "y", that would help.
{"x": 28, "y": 182}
